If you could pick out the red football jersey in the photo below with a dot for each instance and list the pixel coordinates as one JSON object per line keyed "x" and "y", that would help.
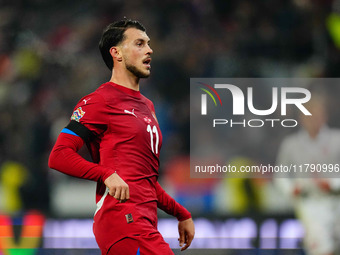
{"x": 120, "y": 128}
{"x": 128, "y": 140}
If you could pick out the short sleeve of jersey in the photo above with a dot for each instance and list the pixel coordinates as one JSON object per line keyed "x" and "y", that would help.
{"x": 91, "y": 112}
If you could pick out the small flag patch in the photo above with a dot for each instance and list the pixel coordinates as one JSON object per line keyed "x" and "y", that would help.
{"x": 129, "y": 218}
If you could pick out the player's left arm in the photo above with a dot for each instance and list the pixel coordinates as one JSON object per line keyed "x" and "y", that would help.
{"x": 186, "y": 228}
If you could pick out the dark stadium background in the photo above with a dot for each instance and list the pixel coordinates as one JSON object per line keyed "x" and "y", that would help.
{"x": 49, "y": 59}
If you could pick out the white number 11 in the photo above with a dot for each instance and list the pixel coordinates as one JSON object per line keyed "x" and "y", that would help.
{"x": 153, "y": 130}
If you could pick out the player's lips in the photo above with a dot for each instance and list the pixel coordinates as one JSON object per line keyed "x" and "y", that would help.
{"x": 147, "y": 62}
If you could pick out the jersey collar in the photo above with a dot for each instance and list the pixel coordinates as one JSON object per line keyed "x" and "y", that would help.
{"x": 126, "y": 90}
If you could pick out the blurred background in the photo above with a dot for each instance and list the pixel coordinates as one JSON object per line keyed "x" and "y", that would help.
{"x": 49, "y": 59}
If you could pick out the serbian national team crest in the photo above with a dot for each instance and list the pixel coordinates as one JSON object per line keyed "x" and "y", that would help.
{"x": 147, "y": 120}
{"x": 77, "y": 114}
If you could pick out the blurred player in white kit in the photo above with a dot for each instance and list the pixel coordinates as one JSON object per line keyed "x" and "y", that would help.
{"x": 315, "y": 198}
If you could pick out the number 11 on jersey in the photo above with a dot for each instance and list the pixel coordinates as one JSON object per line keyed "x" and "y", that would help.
{"x": 152, "y": 131}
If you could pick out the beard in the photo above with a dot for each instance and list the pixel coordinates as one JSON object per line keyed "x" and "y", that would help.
{"x": 137, "y": 72}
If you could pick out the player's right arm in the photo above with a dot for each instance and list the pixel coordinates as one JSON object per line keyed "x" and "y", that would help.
{"x": 65, "y": 158}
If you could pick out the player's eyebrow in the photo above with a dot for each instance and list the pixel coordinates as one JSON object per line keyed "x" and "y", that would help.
{"x": 143, "y": 40}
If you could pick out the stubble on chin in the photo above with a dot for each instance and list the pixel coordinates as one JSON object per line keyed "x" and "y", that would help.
{"x": 137, "y": 72}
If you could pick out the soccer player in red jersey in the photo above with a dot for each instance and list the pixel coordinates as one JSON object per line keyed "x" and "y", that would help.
{"x": 119, "y": 126}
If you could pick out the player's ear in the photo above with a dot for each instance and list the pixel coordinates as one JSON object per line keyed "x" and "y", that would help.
{"x": 116, "y": 53}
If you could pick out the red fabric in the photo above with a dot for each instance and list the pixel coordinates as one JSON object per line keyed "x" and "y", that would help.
{"x": 152, "y": 244}
{"x": 128, "y": 141}
{"x": 64, "y": 158}
{"x": 119, "y": 117}
{"x": 170, "y": 206}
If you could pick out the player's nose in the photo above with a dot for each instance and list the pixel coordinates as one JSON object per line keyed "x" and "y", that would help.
{"x": 149, "y": 50}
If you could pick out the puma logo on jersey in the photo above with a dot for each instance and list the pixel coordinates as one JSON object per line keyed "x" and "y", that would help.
{"x": 132, "y": 113}
{"x": 86, "y": 100}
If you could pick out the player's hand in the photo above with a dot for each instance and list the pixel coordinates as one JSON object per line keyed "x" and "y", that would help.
{"x": 118, "y": 188}
{"x": 186, "y": 230}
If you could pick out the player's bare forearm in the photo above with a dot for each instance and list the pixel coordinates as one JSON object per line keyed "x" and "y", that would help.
{"x": 186, "y": 230}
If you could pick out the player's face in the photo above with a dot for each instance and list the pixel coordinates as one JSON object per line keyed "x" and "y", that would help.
{"x": 136, "y": 52}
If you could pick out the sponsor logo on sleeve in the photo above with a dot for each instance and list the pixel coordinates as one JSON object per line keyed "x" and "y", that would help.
{"x": 86, "y": 100}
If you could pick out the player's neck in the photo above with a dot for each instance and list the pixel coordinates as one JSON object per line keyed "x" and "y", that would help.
{"x": 126, "y": 80}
